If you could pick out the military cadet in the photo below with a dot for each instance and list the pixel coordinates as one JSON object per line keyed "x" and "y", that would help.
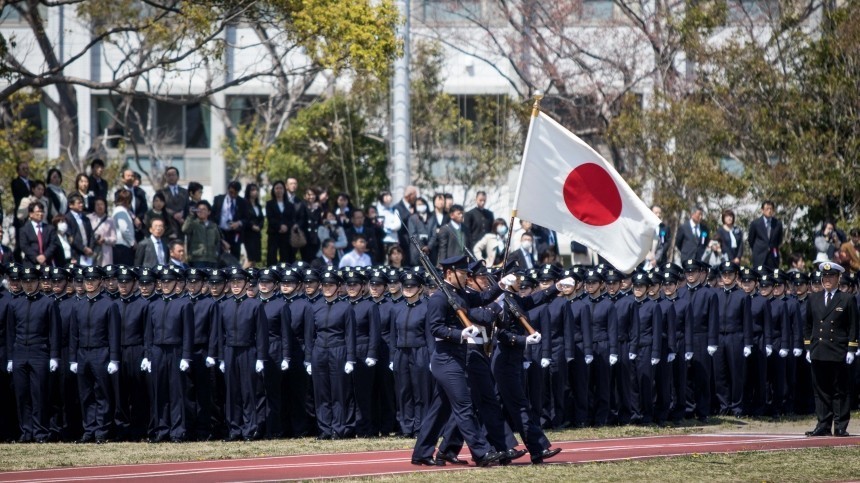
{"x": 579, "y": 347}
{"x": 604, "y": 330}
{"x": 534, "y": 380}
{"x": 9, "y": 423}
{"x": 242, "y": 344}
{"x": 385, "y": 409}
{"x": 33, "y": 345}
{"x": 663, "y": 371}
{"x": 198, "y": 381}
{"x": 804, "y": 400}
{"x": 311, "y": 285}
{"x": 296, "y": 411}
{"x": 623, "y": 374}
{"x": 45, "y": 284}
{"x": 132, "y": 385}
{"x": 78, "y": 283}
{"x": 168, "y": 342}
{"x": 556, "y": 395}
{"x": 395, "y": 290}
{"x": 701, "y": 327}
{"x": 734, "y": 342}
{"x": 65, "y": 408}
{"x": 94, "y": 355}
{"x": 216, "y": 283}
{"x": 649, "y": 350}
{"x": 330, "y": 359}
{"x": 277, "y": 356}
{"x": 830, "y": 337}
{"x": 671, "y": 275}
{"x": 778, "y": 350}
{"x": 146, "y": 282}
{"x": 110, "y": 287}
{"x": 367, "y": 342}
{"x": 795, "y": 350}
{"x": 755, "y": 375}
{"x": 815, "y": 285}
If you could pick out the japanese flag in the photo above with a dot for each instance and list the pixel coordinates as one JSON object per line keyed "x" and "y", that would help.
{"x": 567, "y": 186}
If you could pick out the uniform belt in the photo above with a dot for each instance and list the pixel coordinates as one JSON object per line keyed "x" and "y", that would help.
{"x": 475, "y": 340}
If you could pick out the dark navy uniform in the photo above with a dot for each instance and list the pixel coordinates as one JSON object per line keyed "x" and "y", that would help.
{"x": 579, "y": 352}
{"x": 649, "y": 353}
{"x": 32, "y": 342}
{"x": 367, "y": 342}
{"x": 330, "y": 345}
{"x": 168, "y": 343}
{"x": 66, "y": 422}
{"x": 678, "y": 366}
{"x": 242, "y": 345}
{"x": 624, "y": 372}
{"x": 780, "y": 342}
{"x": 804, "y": 402}
{"x": 604, "y": 332}
{"x": 278, "y": 317}
{"x": 735, "y": 340}
{"x": 755, "y": 380}
{"x": 296, "y": 415}
{"x": 384, "y": 403}
{"x": 702, "y": 325}
{"x": 133, "y": 405}
{"x": 663, "y": 374}
{"x": 198, "y": 395}
{"x": 557, "y": 394}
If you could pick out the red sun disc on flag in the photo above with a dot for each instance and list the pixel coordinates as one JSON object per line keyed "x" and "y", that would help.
{"x": 591, "y": 195}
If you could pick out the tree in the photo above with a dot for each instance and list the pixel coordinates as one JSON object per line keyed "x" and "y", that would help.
{"x": 16, "y": 135}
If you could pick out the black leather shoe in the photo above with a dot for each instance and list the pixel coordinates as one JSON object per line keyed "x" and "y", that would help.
{"x": 819, "y": 432}
{"x": 515, "y": 454}
{"x": 841, "y": 433}
{"x": 545, "y": 454}
{"x": 322, "y": 437}
{"x": 102, "y": 440}
{"x": 45, "y": 440}
{"x": 489, "y": 458}
{"x": 427, "y": 462}
{"x": 232, "y": 438}
{"x": 450, "y": 458}
{"x": 85, "y": 439}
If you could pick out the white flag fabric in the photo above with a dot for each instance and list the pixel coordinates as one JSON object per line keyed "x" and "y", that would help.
{"x": 565, "y": 185}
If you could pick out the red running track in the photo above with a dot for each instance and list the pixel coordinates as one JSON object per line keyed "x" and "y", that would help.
{"x": 398, "y": 461}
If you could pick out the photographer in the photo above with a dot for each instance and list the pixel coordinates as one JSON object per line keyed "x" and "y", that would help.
{"x": 331, "y": 229}
{"x": 827, "y": 242}
{"x": 203, "y": 237}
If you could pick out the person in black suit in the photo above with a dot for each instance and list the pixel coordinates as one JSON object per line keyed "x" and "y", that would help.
{"x": 765, "y": 237}
{"x": 406, "y": 208}
{"x": 692, "y": 239}
{"x": 80, "y": 231}
{"x": 524, "y": 256}
{"x": 372, "y": 234}
{"x": 38, "y": 239}
{"x": 830, "y": 337}
{"x": 478, "y": 221}
{"x": 253, "y": 234}
{"x": 152, "y": 250}
{"x": 231, "y": 214}
{"x": 281, "y": 215}
{"x": 731, "y": 238}
{"x": 175, "y": 200}
{"x": 451, "y": 238}
{"x": 21, "y": 185}
{"x": 138, "y": 206}
{"x": 98, "y": 185}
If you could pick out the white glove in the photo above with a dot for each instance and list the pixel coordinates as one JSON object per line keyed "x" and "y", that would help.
{"x": 798, "y": 352}
{"x": 783, "y": 353}
{"x": 308, "y": 368}
{"x": 9, "y": 366}
{"x": 545, "y": 362}
{"x": 747, "y": 350}
{"x": 533, "y": 339}
{"x": 613, "y": 358}
{"x": 688, "y": 356}
{"x": 712, "y": 349}
{"x": 259, "y": 366}
{"x": 145, "y": 365}
{"x": 655, "y": 361}
{"x": 507, "y": 281}
{"x": 849, "y": 357}
{"x": 370, "y": 362}
{"x": 73, "y": 367}
{"x": 469, "y": 332}
{"x": 768, "y": 349}
{"x": 565, "y": 282}
{"x": 113, "y": 367}
{"x": 210, "y": 362}
{"x": 527, "y": 364}
{"x": 391, "y": 366}
{"x": 631, "y": 356}
{"x": 569, "y": 360}
{"x": 222, "y": 367}
{"x": 809, "y": 357}
{"x": 589, "y": 360}
{"x": 670, "y": 357}
{"x": 348, "y": 368}
{"x": 285, "y": 364}
{"x": 184, "y": 365}
{"x": 53, "y": 364}
{"x": 430, "y": 366}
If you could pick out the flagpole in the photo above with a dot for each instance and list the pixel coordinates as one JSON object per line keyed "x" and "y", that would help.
{"x": 535, "y": 112}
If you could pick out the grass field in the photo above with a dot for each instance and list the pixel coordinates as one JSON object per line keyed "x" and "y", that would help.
{"x": 795, "y": 465}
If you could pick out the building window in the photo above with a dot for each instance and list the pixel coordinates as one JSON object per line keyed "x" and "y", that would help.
{"x": 597, "y": 10}
{"x": 179, "y": 125}
{"x": 448, "y": 11}
{"x": 751, "y": 11}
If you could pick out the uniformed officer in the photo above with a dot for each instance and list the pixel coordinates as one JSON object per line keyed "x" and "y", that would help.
{"x": 146, "y": 283}
{"x": 671, "y": 275}
{"x": 451, "y": 395}
{"x": 132, "y": 385}
{"x": 534, "y": 353}
{"x": 110, "y": 287}
{"x": 702, "y": 327}
{"x": 663, "y": 371}
{"x": 94, "y": 355}
{"x": 579, "y": 347}
{"x": 604, "y": 330}
{"x": 624, "y": 373}
{"x": 216, "y": 283}
{"x": 9, "y": 422}
{"x": 168, "y": 342}
{"x": 242, "y": 345}
{"x": 830, "y": 337}
{"x": 556, "y": 395}
{"x": 734, "y": 343}
{"x": 804, "y": 400}
{"x": 277, "y": 356}
{"x": 367, "y": 342}
{"x": 649, "y": 350}
{"x": 297, "y": 411}
{"x": 198, "y": 381}
{"x": 794, "y": 352}
{"x": 773, "y": 287}
{"x": 330, "y": 350}
{"x": 385, "y": 410}
{"x": 66, "y": 409}
{"x": 33, "y": 343}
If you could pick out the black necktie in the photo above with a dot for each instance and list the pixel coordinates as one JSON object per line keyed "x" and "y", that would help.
{"x": 829, "y": 298}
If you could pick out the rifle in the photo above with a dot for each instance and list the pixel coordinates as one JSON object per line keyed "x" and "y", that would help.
{"x": 431, "y": 270}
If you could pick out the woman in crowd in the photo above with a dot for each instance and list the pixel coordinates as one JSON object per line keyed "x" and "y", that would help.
{"x": 253, "y": 236}
{"x": 310, "y": 218}
{"x": 157, "y": 211}
{"x": 491, "y": 247}
{"x": 395, "y": 256}
{"x": 343, "y": 210}
{"x": 281, "y": 216}
{"x": 64, "y": 254}
{"x": 423, "y": 225}
{"x": 82, "y": 187}
{"x": 848, "y": 256}
{"x": 731, "y": 238}
{"x": 104, "y": 231}
{"x": 37, "y": 193}
{"x": 55, "y": 193}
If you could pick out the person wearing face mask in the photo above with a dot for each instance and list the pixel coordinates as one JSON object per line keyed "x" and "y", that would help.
{"x": 64, "y": 252}
{"x": 525, "y": 255}
{"x": 423, "y": 226}
{"x": 491, "y": 247}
